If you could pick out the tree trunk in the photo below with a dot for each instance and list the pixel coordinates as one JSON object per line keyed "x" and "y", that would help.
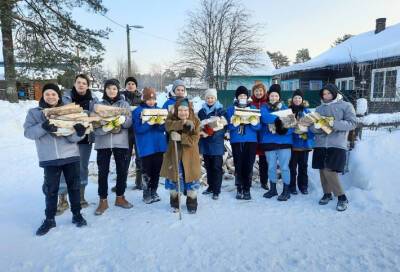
{"x": 6, "y": 7}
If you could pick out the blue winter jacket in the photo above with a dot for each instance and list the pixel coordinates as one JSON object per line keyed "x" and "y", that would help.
{"x": 169, "y": 104}
{"x": 212, "y": 145}
{"x": 266, "y": 136}
{"x": 150, "y": 139}
{"x": 249, "y": 134}
{"x": 300, "y": 143}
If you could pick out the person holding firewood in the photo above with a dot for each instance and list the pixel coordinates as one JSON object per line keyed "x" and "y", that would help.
{"x": 329, "y": 154}
{"x": 212, "y": 141}
{"x": 57, "y": 154}
{"x": 112, "y": 139}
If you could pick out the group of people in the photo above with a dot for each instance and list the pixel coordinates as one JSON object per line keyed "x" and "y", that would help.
{"x": 174, "y": 149}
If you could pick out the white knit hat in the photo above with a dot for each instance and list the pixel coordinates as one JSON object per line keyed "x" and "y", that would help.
{"x": 211, "y": 92}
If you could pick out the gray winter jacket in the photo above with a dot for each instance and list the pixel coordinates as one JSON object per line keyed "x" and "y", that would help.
{"x": 114, "y": 140}
{"x": 345, "y": 120}
{"x": 48, "y": 146}
{"x": 67, "y": 99}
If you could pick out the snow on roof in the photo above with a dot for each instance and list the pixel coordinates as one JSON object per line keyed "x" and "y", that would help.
{"x": 360, "y": 48}
{"x": 265, "y": 67}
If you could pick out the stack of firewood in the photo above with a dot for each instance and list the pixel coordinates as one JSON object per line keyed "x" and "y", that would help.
{"x": 109, "y": 118}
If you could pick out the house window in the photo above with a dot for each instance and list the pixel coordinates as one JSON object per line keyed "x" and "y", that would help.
{"x": 345, "y": 83}
{"x": 290, "y": 85}
{"x": 315, "y": 85}
{"x": 385, "y": 84}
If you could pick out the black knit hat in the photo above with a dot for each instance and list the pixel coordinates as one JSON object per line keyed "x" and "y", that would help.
{"x": 130, "y": 79}
{"x": 109, "y": 82}
{"x": 298, "y": 93}
{"x": 275, "y": 88}
{"x": 52, "y": 86}
{"x": 332, "y": 88}
{"x": 241, "y": 90}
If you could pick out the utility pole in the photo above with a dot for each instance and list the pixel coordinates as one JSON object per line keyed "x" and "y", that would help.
{"x": 128, "y": 41}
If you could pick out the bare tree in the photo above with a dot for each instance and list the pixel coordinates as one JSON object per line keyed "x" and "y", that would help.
{"x": 217, "y": 39}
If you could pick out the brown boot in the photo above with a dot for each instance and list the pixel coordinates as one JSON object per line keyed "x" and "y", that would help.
{"x": 84, "y": 203}
{"x": 103, "y": 206}
{"x": 62, "y": 205}
{"x": 120, "y": 201}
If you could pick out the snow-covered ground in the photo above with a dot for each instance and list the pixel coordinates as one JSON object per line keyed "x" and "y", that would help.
{"x": 224, "y": 235}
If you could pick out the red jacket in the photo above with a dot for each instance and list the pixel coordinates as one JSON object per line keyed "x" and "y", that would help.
{"x": 258, "y": 103}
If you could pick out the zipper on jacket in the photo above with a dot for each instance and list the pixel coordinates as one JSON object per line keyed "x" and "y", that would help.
{"x": 111, "y": 140}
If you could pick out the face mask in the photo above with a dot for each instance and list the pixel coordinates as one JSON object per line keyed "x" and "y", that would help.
{"x": 243, "y": 101}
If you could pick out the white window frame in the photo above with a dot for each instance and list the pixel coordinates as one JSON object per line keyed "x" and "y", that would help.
{"x": 293, "y": 83}
{"x": 384, "y": 99}
{"x": 347, "y": 79}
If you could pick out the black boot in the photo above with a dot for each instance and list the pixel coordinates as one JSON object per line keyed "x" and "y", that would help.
{"x": 264, "y": 185}
{"x": 325, "y": 199}
{"x": 138, "y": 181}
{"x": 293, "y": 190}
{"x": 272, "y": 192}
{"x": 46, "y": 226}
{"x": 146, "y": 189}
{"x": 208, "y": 191}
{"x": 239, "y": 193}
{"x": 78, "y": 220}
{"x": 285, "y": 194}
{"x": 246, "y": 194}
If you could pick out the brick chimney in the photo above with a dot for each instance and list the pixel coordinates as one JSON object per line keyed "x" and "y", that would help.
{"x": 380, "y": 25}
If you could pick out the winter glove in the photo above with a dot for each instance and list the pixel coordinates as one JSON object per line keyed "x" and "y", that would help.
{"x": 254, "y": 120}
{"x": 304, "y": 136}
{"x": 189, "y": 125}
{"x": 280, "y": 129}
{"x": 119, "y": 121}
{"x": 175, "y": 136}
{"x": 236, "y": 120}
{"x": 80, "y": 129}
{"x": 203, "y": 134}
{"x": 208, "y": 130}
{"x": 49, "y": 127}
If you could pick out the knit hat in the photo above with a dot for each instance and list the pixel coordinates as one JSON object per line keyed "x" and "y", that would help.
{"x": 298, "y": 93}
{"x": 110, "y": 82}
{"x": 241, "y": 90}
{"x": 53, "y": 87}
{"x": 275, "y": 88}
{"x": 332, "y": 88}
{"x": 184, "y": 102}
{"x": 259, "y": 86}
{"x": 211, "y": 92}
{"x": 177, "y": 83}
{"x": 130, "y": 79}
{"x": 149, "y": 93}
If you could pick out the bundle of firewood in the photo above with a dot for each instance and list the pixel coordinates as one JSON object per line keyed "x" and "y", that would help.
{"x": 323, "y": 122}
{"x": 109, "y": 118}
{"x": 216, "y": 123}
{"x": 243, "y": 116}
{"x": 65, "y": 117}
{"x": 154, "y": 116}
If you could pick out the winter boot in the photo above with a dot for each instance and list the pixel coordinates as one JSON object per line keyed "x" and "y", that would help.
{"x": 293, "y": 190}
{"x": 173, "y": 199}
{"x": 215, "y": 196}
{"x": 342, "y": 203}
{"x": 304, "y": 191}
{"x": 239, "y": 193}
{"x": 62, "y": 205}
{"x": 191, "y": 201}
{"x": 285, "y": 195}
{"x": 154, "y": 196}
{"x": 78, "y": 220}
{"x": 146, "y": 189}
{"x": 246, "y": 194}
{"x": 208, "y": 191}
{"x": 103, "y": 206}
{"x": 272, "y": 191}
{"x": 325, "y": 199}
{"x": 84, "y": 203}
{"x": 120, "y": 201}
{"x": 138, "y": 180}
{"x": 114, "y": 189}
{"x": 264, "y": 185}
{"x": 46, "y": 226}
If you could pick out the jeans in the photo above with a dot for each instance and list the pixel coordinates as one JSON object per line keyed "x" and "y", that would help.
{"x": 283, "y": 157}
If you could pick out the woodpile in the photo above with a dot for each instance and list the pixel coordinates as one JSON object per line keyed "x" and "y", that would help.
{"x": 154, "y": 116}
{"x": 109, "y": 118}
{"x": 243, "y": 116}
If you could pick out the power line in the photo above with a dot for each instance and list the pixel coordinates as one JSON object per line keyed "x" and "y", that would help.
{"x": 111, "y": 20}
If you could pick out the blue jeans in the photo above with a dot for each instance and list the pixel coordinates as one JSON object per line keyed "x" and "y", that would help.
{"x": 84, "y": 152}
{"x": 283, "y": 157}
